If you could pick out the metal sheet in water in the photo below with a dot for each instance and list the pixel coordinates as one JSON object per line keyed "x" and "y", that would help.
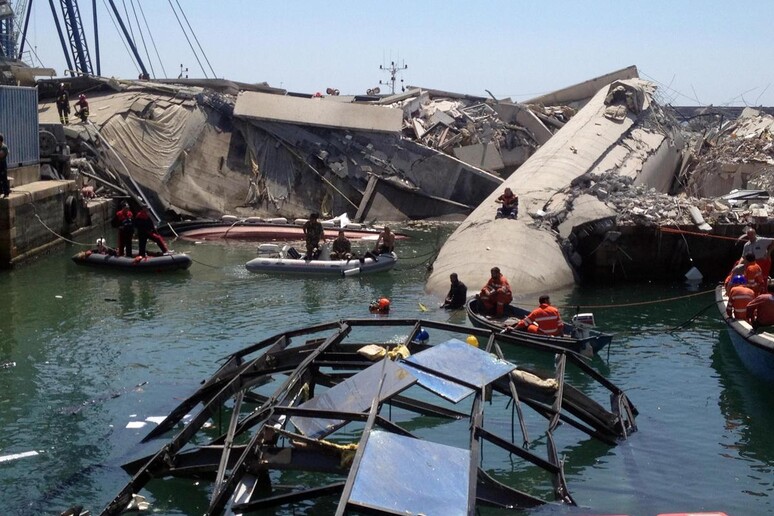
{"x": 412, "y": 476}
{"x": 354, "y": 394}
{"x": 445, "y": 388}
{"x": 457, "y": 359}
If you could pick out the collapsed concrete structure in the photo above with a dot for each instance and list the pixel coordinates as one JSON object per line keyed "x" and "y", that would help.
{"x": 619, "y": 130}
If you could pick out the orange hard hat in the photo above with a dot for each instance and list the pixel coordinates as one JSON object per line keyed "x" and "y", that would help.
{"x": 384, "y": 303}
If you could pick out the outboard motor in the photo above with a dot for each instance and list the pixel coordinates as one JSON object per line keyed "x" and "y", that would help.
{"x": 582, "y": 324}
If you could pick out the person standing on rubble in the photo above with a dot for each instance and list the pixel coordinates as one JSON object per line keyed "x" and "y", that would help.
{"x": 761, "y": 248}
{"x": 63, "y": 104}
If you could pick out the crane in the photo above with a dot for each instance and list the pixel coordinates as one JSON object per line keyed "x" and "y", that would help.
{"x": 77, "y": 55}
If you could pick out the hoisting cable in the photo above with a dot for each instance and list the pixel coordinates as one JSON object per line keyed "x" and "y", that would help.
{"x": 153, "y": 41}
{"x": 142, "y": 38}
{"x": 188, "y": 39}
{"x": 214, "y": 75}
{"x": 128, "y": 19}
{"x": 115, "y": 25}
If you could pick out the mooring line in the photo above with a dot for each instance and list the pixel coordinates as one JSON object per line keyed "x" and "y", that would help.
{"x": 640, "y": 303}
{"x": 695, "y": 233}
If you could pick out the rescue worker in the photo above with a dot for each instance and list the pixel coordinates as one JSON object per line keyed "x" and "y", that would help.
{"x": 457, "y": 295}
{"x": 102, "y": 248}
{"x": 313, "y": 231}
{"x": 496, "y": 293}
{"x": 382, "y": 306}
{"x": 385, "y": 243}
{"x": 760, "y": 311}
{"x": 146, "y": 230}
{"x": 82, "y": 108}
{"x": 63, "y": 104}
{"x": 545, "y": 319}
{"x": 510, "y": 205}
{"x": 738, "y": 298}
{"x": 342, "y": 248}
{"x": 124, "y": 221}
{"x": 754, "y": 275}
{"x": 759, "y": 246}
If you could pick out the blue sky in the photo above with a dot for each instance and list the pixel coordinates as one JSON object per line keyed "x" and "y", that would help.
{"x": 706, "y": 52}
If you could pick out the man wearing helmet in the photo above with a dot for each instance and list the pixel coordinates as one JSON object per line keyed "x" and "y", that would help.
{"x": 739, "y": 297}
{"x": 63, "y": 104}
{"x": 82, "y": 108}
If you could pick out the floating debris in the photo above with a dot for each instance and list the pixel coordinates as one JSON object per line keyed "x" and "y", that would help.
{"x": 308, "y": 400}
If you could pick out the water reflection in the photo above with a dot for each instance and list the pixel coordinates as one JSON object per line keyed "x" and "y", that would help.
{"x": 747, "y": 403}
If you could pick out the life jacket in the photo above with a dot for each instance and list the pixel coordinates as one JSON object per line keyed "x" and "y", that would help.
{"x": 547, "y": 319}
{"x": 738, "y": 299}
{"x": 124, "y": 217}
{"x": 755, "y": 280}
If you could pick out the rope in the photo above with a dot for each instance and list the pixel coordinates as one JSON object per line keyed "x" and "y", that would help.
{"x": 695, "y": 233}
{"x": 188, "y": 39}
{"x": 57, "y": 234}
{"x": 641, "y": 303}
{"x": 214, "y": 75}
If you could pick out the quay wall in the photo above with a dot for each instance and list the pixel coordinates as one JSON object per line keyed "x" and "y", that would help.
{"x": 32, "y": 218}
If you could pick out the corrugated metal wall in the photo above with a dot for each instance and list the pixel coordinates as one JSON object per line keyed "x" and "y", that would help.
{"x": 19, "y": 124}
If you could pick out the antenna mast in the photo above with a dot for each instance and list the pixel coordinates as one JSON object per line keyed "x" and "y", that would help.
{"x": 393, "y": 70}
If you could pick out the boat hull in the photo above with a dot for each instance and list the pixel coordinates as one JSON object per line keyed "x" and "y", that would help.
{"x": 755, "y": 348}
{"x": 589, "y": 346}
{"x": 337, "y": 268}
{"x": 150, "y": 264}
{"x": 260, "y": 231}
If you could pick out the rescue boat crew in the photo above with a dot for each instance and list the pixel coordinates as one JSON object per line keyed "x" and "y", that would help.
{"x": 754, "y": 275}
{"x": 496, "y": 293}
{"x": 760, "y": 247}
{"x": 738, "y": 298}
{"x": 760, "y": 311}
{"x": 124, "y": 221}
{"x": 545, "y": 319}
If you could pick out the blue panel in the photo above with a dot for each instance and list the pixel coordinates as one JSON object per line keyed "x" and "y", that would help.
{"x": 19, "y": 124}
{"x": 355, "y": 394}
{"x": 456, "y": 359}
{"x": 442, "y": 387}
{"x": 411, "y": 476}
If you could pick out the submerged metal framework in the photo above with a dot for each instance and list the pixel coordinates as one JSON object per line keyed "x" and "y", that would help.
{"x": 323, "y": 384}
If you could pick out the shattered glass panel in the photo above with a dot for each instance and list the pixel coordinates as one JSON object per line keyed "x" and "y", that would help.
{"x": 445, "y": 388}
{"x": 457, "y": 359}
{"x": 412, "y": 476}
{"x": 355, "y": 394}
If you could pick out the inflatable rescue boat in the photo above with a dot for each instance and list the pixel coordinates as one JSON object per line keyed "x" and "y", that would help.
{"x": 160, "y": 263}
{"x": 285, "y": 260}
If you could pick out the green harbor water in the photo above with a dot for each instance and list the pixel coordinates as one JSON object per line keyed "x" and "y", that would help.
{"x": 86, "y": 352}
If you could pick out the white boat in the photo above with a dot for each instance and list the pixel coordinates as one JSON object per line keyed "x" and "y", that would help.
{"x": 273, "y": 259}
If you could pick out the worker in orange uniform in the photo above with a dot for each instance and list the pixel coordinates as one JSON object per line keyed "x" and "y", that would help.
{"x": 738, "y": 298}
{"x": 754, "y": 275}
{"x": 496, "y": 293}
{"x": 760, "y": 311}
{"x": 382, "y": 306}
{"x": 544, "y": 319}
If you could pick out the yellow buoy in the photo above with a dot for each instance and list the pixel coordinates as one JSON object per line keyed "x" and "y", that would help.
{"x": 472, "y": 340}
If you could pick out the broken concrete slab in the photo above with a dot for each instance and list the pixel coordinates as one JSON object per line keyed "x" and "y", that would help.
{"x": 317, "y": 112}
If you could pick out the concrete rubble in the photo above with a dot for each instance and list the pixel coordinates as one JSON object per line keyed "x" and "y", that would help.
{"x": 619, "y": 144}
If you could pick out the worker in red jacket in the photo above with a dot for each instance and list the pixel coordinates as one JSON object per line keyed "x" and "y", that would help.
{"x": 124, "y": 221}
{"x": 545, "y": 319}
{"x": 760, "y": 311}
{"x": 146, "y": 230}
{"x": 738, "y": 298}
{"x": 754, "y": 274}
